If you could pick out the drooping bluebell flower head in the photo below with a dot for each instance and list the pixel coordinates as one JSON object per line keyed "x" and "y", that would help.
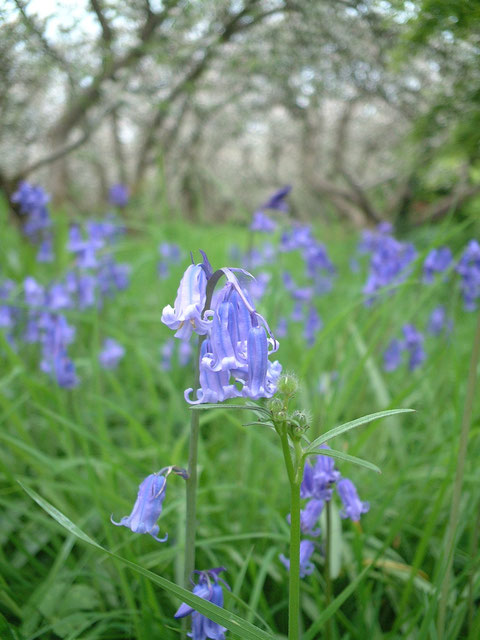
{"x": 118, "y": 195}
{"x": 45, "y": 250}
{"x": 372, "y": 239}
{"x": 392, "y": 356}
{"x": 30, "y": 197}
{"x": 306, "y": 550}
{"x": 56, "y": 335}
{"x": 318, "y": 479}
{"x": 309, "y": 517}
{"x": 111, "y": 353}
{"x": 439, "y": 322}
{"x": 149, "y": 503}
{"x": 353, "y": 507}
{"x": 208, "y": 587}
{"x": 276, "y": 202}
{"x": 468, "y": 268}
{"x": 414, "y": 345}
{"x": 32, "y": 201}
{"x": 437, "y": 261}
{"x": 185, "y": 317}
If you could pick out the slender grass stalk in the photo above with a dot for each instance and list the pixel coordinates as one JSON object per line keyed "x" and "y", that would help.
{"x": 191, "y": 485}
{"x": 328, "y": 578}
{"x": 457, "y": 487}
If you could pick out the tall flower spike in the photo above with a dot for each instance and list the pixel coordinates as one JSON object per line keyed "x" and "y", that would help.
{"x": 209, "y": 588}
{"x": 147, "y": 507}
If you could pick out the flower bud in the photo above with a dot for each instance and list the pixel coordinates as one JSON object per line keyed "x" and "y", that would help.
{"x": 288, "y": 384}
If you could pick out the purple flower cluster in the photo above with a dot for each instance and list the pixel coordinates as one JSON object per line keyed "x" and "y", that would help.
{"x": 317, "y": 487}
{"x": 439, "y": 322}
{"x": 412, "y": 344}
{"x": 32, "y": 201}
{"x": 389, "y": 263}
{"x": 33, "y": 313}
{"x": 209, "y": 588}
{"x": 234, "y": 356}
{"x": 437, "y": 261}
{"x": 468, "y": 268}
{"x": 184, "y": 353}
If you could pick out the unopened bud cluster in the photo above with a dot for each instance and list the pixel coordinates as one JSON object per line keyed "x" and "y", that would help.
{"x": 296, "y": 421}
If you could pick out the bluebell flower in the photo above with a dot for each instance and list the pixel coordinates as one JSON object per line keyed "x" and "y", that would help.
{"x": 262, "y": 222}
{"x": 306, "y": 550}
{"x": 392, "y": 356}
{"x": 118, "y": 195}
{"x": 313, "y": 324}
{"x": 389, "y": 265}
{"x": 214, "y": 386}
{"x": 438, "y": 321}
{"x": 34, "y": 292}
{"x": 208, "y": 587}
{"x": 353, "y": 507}
{"x": 437, "y": 261}
{"x": 309, "y": 517}
{"x": 318, "y": 479}
{"x": 147, "y": 507}
{"x": 111, "y": 353}
{"x": 468, "y": 268}
{"x": 414, "y": 345}
{"x": 372, "y": 239}
{"x": 166, "y": 352}
{"x": 185, "y": 317}
{"x": 60, "y": 367}
{"x": 45, "y": 250}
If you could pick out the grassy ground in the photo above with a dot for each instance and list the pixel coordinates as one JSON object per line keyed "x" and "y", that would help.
{"x": 86, "y": 450}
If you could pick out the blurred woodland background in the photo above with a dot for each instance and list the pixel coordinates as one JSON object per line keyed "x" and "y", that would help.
{"x": 370, "y": 108}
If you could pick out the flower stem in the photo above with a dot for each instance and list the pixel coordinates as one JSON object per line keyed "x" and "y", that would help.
{"x": 328, "y": 578}
{"x": 457, "y": 487}
{"x": 191, "y": 485}
{"x": 294, "y": 582}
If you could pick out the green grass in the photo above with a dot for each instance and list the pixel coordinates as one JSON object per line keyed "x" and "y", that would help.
{"x": 85, "y": 451}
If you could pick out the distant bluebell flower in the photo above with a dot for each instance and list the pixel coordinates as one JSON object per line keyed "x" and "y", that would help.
{"x": 414, "y": 345}
{"x": 45, "y": 250}
{"x": 119, "y": 195}
{"x": 184, "y": 353}
{"x": 86, "y": 291}
{"x": 186, "y": 315}
{"x": 298, "y": 237}
{"x": 371, "y": 240}
{"x": 313, "y": 324}
{"x": 60, "y": 367}
{"x": 306, "y": 550}
{"x": 147, "y": 507}
{"x": 258, "y": 285}
{"x": 392, "y": 356}
{"x": 438, "y": 321}
{"x": 111, "y": 353}
{"x": 58, "y": 297}
{"x": 298, "y": 312}
{"x": 30, "y": 197}
{"x": 353, "y": 507}
{"x": 468, "y": 268}
{"x": 166, "y": 352}
{"x": 209, "y": 588}
{"x": 282, "y": 327}
{"x": 8, "y": 312}
{"x": 34, "y": 292}
{"x": 112, "y": 276}
{"x": 316, "y": 259}
{"x": 437, "y": 261}
{"x": 262, "y": 223}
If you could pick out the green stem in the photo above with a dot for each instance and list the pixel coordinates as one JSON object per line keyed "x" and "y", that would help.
{"x": 294, "y": 581}
{"x": 191, "y": 485}
{"x": 328, "y": 578}
{"x": 457, "y": 487}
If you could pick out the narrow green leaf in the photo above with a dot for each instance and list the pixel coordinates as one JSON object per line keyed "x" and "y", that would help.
{"x": 339, "y": 455}
{"x": 229, "y": 620}
{"x": 5, "y": 631}
{"x": 347, "y": 426}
